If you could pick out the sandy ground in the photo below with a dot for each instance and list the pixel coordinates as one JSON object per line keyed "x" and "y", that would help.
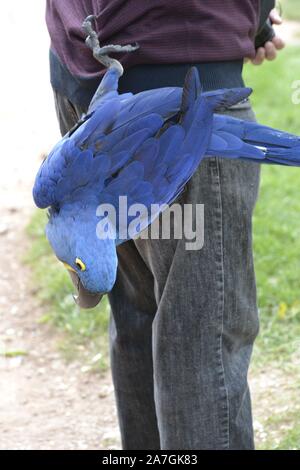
{"x": 44, "y": 402}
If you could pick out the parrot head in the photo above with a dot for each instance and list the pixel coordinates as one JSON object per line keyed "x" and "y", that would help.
{"x": 90, "y": 261}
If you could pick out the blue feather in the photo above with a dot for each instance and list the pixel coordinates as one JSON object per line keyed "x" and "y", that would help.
{"x": 146, "y": 147}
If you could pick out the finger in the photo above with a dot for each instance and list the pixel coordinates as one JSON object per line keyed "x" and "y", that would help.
{"x": 275, "y": 17}
{"x": 260, "y": 56}
{"x": 278, "y": 42}
{"x": 270, "y": 50}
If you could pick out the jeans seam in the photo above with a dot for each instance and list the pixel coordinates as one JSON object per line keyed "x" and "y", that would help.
{"x": 224, "y": 438}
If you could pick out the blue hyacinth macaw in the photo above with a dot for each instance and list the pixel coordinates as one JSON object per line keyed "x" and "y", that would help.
{"x": 146, "y": 147}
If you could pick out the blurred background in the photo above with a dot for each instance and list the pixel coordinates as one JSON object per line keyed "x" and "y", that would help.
{"x": 55, "y": 388}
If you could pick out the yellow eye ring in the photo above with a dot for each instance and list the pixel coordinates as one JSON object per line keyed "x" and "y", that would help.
{"x": 80, "y": 264}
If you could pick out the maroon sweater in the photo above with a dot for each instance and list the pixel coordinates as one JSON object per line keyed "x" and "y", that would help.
{"x": 168, "y": 31}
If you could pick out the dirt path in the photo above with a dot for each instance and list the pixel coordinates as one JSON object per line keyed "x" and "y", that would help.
{"x": 45, "y": 403}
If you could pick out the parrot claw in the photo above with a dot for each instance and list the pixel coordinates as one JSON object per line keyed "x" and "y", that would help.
{"x": 102, "y": 53}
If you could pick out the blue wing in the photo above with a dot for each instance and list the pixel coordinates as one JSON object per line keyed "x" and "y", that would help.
{"x": 234, "y": 138}
{"x": 161, "y": 133}
{"x": 164, "y": 162}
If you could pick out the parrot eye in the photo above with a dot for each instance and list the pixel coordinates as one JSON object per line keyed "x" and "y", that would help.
{"x": 80, "y": 264}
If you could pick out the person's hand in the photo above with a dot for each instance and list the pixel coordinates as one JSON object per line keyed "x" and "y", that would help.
{"x": 269, "y": 51}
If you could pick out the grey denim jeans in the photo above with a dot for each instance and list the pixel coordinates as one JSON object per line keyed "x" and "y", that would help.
{"x": 183, "y": 322}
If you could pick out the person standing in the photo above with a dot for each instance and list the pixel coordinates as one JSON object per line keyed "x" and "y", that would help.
{"x": 183, "y": 323}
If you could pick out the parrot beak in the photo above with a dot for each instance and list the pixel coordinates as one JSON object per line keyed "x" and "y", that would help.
{"x": 85, "y": 298}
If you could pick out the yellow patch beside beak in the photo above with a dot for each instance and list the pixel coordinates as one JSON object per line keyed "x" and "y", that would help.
{"x": 68, "y": 267}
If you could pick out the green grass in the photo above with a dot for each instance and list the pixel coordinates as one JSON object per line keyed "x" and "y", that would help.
{"x": 290, "y": 9}
{"x": 277, "y": 261}
{"x": 276, "y": 218}
{"x": 283, "y": 431}
{"x": 277, "y": 251}
{"x": 11, "y": 354}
